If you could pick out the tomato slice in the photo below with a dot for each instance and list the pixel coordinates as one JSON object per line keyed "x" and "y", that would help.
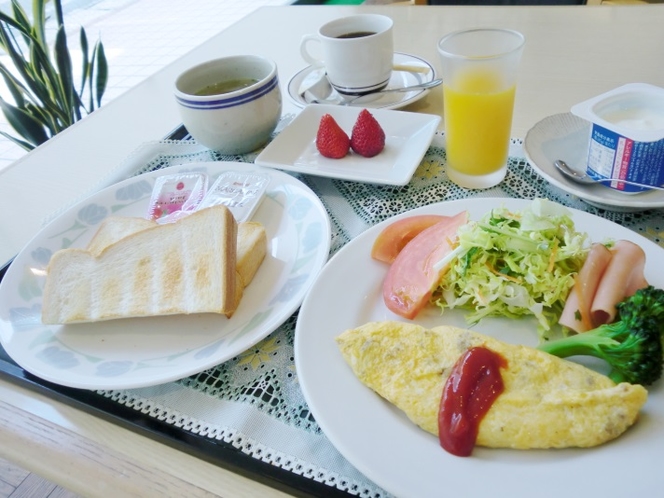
{"x": 396, "y": 235}
{"x": 411, "y": 278}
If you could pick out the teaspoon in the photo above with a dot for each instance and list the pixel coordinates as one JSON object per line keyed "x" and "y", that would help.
{"x": 322, "y": 92}
{"x": 584, "y": 179}
{"x": 428, "y": 84}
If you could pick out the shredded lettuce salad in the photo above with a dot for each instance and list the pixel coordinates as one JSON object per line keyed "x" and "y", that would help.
{"x": 514, "y": 264}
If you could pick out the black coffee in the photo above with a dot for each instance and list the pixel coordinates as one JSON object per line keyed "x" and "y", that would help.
{"x": 357, "y": 34}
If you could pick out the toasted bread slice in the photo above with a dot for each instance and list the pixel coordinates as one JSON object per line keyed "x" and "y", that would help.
{"x": 114, "y": 228}
{"x": 183, "y": 267}
{"x": 251, "y": 241}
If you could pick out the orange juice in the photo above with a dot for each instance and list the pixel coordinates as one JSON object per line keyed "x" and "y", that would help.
{"x": 478, "y": 121}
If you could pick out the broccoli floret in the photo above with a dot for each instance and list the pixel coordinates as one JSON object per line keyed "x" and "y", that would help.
{"x": 632, "y": 345}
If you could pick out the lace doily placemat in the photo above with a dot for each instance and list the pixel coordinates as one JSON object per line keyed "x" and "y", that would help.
{"x": 253, "y": 401}
{"x": 252, "y": 404}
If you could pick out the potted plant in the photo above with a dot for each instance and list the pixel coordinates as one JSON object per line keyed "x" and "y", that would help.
{"x": 46, "y": 100}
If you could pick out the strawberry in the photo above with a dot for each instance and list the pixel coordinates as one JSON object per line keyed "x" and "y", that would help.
{"x": 331, "y": 140}
{"x": 367, "y": 138}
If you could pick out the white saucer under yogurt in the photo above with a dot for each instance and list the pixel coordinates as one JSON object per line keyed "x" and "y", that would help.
{"x": 566, "y": 136}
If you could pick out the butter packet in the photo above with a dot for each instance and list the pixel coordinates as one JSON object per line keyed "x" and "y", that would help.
{"x": 242, "y": 193}
{"x": 175, "y": 196}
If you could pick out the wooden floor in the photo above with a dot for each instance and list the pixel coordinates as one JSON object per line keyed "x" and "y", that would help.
{"x": 16, "y": 482}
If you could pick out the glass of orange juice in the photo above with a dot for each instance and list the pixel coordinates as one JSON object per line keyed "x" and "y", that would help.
{"x": 479, "y": 70}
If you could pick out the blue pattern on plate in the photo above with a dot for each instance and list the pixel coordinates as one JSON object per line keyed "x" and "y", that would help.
{"x": 26, "y": 318}
{"x": 134, "y": 191}
{"x": 58, "y": 357}
{"x": 313, "y": 236}
{"x": 114, "y": 368}
{"x": 300, "y": 208}
{"x": 42, "y": 255}
{"x": 92, "y": 214}
{"x": 300, "y": 225}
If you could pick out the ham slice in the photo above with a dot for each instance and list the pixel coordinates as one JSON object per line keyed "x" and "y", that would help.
{"x": 622, "y": 278}
{"x": 412, "y": 277}
{"x": 606, "y": 278}
{"x": 576, "y": 314}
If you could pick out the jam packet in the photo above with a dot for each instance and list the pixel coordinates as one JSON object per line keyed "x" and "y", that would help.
{"x": 175, "y": 196}
{"x": 240, "y": 192}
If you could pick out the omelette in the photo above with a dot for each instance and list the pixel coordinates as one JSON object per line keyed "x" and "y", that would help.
{"x": 547, "y": 402}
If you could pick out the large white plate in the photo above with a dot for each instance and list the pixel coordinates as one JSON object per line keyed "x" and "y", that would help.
{"x": 408, "y": 462}
{"x": 393, "y": 100}
{"x": 566, "y": 137}
{"x": 407, "y": 138}
{"x": 139, "y": 352}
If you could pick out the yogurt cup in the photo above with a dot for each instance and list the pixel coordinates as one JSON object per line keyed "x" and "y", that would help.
{"x": 627, "y": 136}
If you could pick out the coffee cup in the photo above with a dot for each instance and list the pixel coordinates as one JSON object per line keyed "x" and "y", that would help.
{"x": 357, "y": 52}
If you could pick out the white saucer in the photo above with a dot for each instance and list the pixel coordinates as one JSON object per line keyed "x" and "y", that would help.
{"x": 399, "y": 79}
{"x": 565, "y": 136}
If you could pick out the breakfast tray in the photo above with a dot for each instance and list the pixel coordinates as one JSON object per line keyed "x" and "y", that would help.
{"x": 248, "y": 414}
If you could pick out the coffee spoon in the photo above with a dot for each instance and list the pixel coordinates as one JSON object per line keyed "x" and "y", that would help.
{"x": 428, "y": 84}
{"x": 322, "y": 92}
{"x": 584, "y": 179}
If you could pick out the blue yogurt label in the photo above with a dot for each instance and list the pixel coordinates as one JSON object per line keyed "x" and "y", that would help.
{"x": 612, "y": 155}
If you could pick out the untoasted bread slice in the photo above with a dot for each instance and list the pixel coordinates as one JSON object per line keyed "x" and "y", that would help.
{"x": 183, "y": 267}
{"x": 251, "y": 241}
{"x": 251, "y": 249}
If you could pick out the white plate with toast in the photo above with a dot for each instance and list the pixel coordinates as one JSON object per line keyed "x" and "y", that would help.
{"x": 138, "y": 352}
{"x": 383, "y": 444}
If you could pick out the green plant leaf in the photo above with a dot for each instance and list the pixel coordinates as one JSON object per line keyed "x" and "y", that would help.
{"x": 27, "y": 146}
{"x": 21, "y": 18}
{"x": 14, "y": 86}
{"x": 36, "y": 71}
{"x": 102, "y": 72}
{"x": 12, "y": 23}
{"x": 85, "y": 72}
{"x": 23, "y": 99}
{"x": 46, "y": 118}
{"x": 39, "y": 16}
{"x": 45, "y": 97}
{"x": 24, "y": 123}
{"x": 66, "y": 79}
{"x": 57, "y": 4}
{"x": 40, "y": 71}
{"x": 21, "y": 64}
{"x": 7, "y": 38}
{"x": 50, "y": 92}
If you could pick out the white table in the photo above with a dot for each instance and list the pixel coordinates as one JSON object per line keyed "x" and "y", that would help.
{"x": 572, "y": 53}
